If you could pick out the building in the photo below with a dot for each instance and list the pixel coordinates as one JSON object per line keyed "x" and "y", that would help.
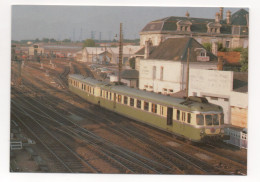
{"x": 164, "y": 69}
{"x": 129, "y": 77}
{"x": 225, "y": 88}
{"x": 231, "y": 60}
{"x": 232, "y": 31}
{"x": 107, "y": 54}
{"x": 35, "y": 50}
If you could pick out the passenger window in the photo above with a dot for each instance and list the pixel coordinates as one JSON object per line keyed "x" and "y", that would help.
{"x": 200, "y": 119}
{"x": 178, "y": 114}
{"x": 189, "y": 117}
{"x": 119, "y": 98}
{"x": 146, "y": 106}
{"x": 138, "y": 104}
{"x": 125, "y": 99}
{"x": 208, "y": 120}
{"x": 183, "y": 116}
{"x": 132, "y": 102}
{"x": 215, "y": 119}
{"x": 154, "y": 108}
{"x": 107, "y": 95}
{"x": 100, "y": 93}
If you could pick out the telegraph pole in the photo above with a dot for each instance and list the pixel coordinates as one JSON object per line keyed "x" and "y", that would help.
{"x": 120, "y": 53}
{"x": 187, "y": 76}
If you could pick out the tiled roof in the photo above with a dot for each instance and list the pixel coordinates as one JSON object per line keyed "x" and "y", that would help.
{"x": 130, "y": 74}
{"x": 177, "y": 48}
{"x": 230, "y": 58}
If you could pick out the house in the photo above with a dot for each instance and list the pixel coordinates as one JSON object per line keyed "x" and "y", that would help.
{"x": 164, "y": 69}
{"x": 129, "y": 77}
{"x": 232, "y": 31}
{"x": 107, "y": 54}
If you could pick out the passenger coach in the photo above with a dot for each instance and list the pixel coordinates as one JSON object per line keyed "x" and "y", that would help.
{"x": 193, "y": 118}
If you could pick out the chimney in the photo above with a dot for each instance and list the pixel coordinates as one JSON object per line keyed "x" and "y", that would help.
{"x": 228, "y": 17}
{"x": 187, "y": 14}
{"x": 220, "y": 63}
{"x": 221, "y": 13}
{"x": 214, "y": 48}
{"x": 217, "y": 17}
{"x": 147, "y": 49}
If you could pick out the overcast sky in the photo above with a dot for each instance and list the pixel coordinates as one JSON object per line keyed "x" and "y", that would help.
{"x": 77, "y": 22}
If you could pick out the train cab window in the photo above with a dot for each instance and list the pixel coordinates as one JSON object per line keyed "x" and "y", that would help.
{"x": 200, "y": 119}
{"x": 178, "y": 114}
{"x": 138, "y": 104}
{"x": 154, "y": 108}
{"x": 215, "y": 119}
{"x": 125, "y": 100}
{"x": 132, "y": 101}
{"x": 119, "y": 98}
{"x": 221, "y": 119}
{"x": 146, "y": 106}
{"x": 208, "y": 119}
{"x": 189, "y": 118}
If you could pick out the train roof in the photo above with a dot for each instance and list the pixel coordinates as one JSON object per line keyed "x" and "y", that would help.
{"x": 191, "y": 104}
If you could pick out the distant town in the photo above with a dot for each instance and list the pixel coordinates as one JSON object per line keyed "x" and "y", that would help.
{"x": 173, "y": 101}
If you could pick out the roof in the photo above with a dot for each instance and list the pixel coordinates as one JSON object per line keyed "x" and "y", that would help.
{"x": 130, "y": 74}
{"x": 141, "y": 51}
{"x": 240, "y": 82}
{"x": 230, "y": 58}
{"x": 88, "y": 80}
{"x": 177, "y": 49}
{"x": 199, "y": 25}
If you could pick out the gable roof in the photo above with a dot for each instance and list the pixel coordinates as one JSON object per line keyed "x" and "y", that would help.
{"x": 177, "y": 49}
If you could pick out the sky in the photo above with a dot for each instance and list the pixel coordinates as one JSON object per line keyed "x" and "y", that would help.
{"x": 82, "y": 22}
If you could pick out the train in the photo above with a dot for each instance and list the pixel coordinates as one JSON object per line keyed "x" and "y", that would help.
{"x": 192, "y": 118}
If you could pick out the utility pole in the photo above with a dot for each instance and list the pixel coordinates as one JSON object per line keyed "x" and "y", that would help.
{"x": 120, "y": 53}
{"x": 187, "y": 76}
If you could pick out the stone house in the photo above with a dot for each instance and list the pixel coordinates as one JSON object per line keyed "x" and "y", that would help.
{"x": 163, "y": 68}
{"x": 232, "y": 31}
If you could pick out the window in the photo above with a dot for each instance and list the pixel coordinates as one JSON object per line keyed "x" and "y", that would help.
{"x": 161, "y": 75}
{"x": 183, "y": 116}
{"x": 213, "y": 98}
{"x": 227, "y": 44}
{"x": 208, "y": 119}
{"x": 226, "y": 99}
{"x": 107, "y": 95}
{"x": 154, "y": 108}
{"x": 146, "y": 106}
{"x": 171, "y": 90}
{"x": 189, "y": 117}
{"x": 162, "y": 110}
{"x": 100, "y": 93}
{"x": 82, "y": 86}
{"x": 110, "y": 96}
{"x": 203, "y": 54}
{"x": 138, "y": 104}
{"x": 178, "y": 114}
{"x": 215, "y": 119}
{"x": 93, "y": 91}
{"x": 154, "y": 72}
{"x": 119, "y": 98}
{"x": 125, "y": 99}
{"x": 200, "y": 119}
{"x": 132, "y": 101}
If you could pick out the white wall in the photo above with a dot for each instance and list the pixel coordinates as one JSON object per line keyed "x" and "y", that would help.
{"x": 217, "y": 87}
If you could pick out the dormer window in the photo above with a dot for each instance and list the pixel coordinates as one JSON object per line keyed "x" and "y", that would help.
{"x": 184, "y": 25}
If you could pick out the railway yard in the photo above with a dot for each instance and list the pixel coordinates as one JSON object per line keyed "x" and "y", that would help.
{"x": 60, "y": 133}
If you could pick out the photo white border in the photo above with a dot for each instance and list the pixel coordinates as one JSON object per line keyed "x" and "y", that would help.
{"x": 254, "y": 85}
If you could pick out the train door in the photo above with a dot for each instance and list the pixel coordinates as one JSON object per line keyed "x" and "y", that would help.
{"x": 169, "y": 115}
{"x": 114, "y": 102}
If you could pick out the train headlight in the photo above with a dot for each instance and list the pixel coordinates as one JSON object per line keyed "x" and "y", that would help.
{"x": 201, "y": 132}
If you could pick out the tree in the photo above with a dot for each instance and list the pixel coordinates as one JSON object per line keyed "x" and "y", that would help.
{"x": 132, "y": 62}
{"x": 89, "y": 43}
{"x": 66, "y": 40}
{"x": 207, "y": 46}
{"x": 244, "y": 60}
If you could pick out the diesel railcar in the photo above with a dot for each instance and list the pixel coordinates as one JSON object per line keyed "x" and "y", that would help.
{"x": 194, "y": 118}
